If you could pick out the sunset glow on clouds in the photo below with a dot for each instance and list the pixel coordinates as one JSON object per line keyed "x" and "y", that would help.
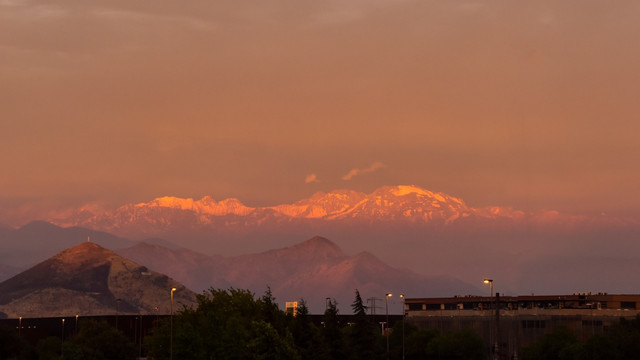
{"x": 355, "y": 171}
{"x": 526, "y": 105}
{"x": 311, "y": 178}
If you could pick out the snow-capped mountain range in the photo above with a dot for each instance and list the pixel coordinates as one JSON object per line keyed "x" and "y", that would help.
{"x": 386, "y": 204}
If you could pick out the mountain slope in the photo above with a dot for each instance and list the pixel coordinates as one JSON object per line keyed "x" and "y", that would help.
{"x": 88, "y": 279}
{"x": 312, "y": 270}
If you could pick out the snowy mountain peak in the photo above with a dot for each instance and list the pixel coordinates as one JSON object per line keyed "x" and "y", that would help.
{"x": 402, "y": 190}
{"x": 170, "y": 202}
{"x": 206, "y": 205}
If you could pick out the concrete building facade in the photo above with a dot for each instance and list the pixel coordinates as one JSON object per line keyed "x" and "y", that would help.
{"x": 509, "y": 323}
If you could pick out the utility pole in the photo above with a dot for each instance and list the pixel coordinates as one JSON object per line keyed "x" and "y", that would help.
{"x": 372, "y": 307}
{"x": 497, "y": 343}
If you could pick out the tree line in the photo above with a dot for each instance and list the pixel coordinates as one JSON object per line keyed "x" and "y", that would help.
{"x": 235, "y": 324}
{"x": 620, "y": 342}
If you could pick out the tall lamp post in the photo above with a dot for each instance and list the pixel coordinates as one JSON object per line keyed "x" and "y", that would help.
{"x": 403, "y": 312}
{"x": 171, "y": 326}
{"x": 19, "y": 325}
{"x": 386, "y": 332}
{"x": 496, "y": 341}
{"x": 62, "y": 342}
{"x": 117, "y": 310}
{"x": 490, "y": 282}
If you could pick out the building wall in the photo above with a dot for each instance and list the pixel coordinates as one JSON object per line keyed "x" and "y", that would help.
{"x": 522, "y": 319}
{"x": 517, "y": 329}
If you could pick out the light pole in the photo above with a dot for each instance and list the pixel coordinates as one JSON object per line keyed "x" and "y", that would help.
{"x": 117, "y": 311}
{"x": 76, "y": 324}
{"x": 403, "y": 311}
{"x": 19, "y": 325}
{"x": 62, "y": 342}
{"x": 140, "y": 345}
{"x": 496, "y": 343}
{"x": 490, "y": 282}
{"x": 171, "y": 326}
{"x": 386, "y": 332}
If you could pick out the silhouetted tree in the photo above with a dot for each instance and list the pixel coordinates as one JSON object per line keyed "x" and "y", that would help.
{"x": 306, "y": 335}
{"x": 98, "y": 340}
{"x": 555, "y": 345}
{"x": 417, "y": 341}
{"x": 49, "y": 348}
{"x": 267, "y": 344}
{"x": 626, "y": 337}
{"x": 271, "y": 313}
{"x": 227, "y": 324}
{"x": 332, "y": 334}
{"x": 13, "y": 346}
{"x": 621, "y": 342}
{"x": 363, "y": 334}
{"x": 457, "y": 345}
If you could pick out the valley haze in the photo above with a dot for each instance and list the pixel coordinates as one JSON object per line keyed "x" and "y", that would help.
{"x": 408, "y": 227}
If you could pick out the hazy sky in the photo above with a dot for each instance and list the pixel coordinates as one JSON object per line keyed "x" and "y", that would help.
{"x": 528, "y": 104}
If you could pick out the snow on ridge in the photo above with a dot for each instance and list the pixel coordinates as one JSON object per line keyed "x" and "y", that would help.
{"x": 207, "y": 205}
{"x": 402, "y": 190}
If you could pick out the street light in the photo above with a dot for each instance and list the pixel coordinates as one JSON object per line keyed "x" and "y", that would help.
{"x": 403, "y": 311}
{"x": 497, "y": 330}
{"x": 76, "y": 324}
{"x": 171, "y": 326}
{"x": 117, "y": 310}
{"x": 386, "y": 333}
{"x": 19, "y": 325}
{"x": 62, "y": 342}
{"x": 490, "y": 282}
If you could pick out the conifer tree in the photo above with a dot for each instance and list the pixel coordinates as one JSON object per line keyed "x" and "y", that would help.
{"x": 271, "y": 313}
{"x": 363, "y": 335}
{"x": 332, "y": 334}
{"x": 306, "y": 335}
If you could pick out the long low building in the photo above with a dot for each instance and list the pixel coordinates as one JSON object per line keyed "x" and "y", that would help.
{"x": 578, "y": 301}
{"x": 507, "y": 323}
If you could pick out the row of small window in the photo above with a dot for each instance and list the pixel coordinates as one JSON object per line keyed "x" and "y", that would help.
{"x": 534, "y": 324}
{"x": 591, "y": 323}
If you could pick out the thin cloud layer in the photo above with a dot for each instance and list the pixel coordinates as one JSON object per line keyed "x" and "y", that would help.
{"x": 356, "y": 171}
{"x": 311, "y": 178}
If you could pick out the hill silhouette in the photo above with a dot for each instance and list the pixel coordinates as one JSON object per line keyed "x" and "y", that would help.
{"x": 88, "y": 279}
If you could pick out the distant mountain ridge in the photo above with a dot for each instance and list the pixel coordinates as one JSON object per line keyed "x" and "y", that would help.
{"x": 313, "y": 269}
{"x": 405, "y": 204}
{"x": 89, "y": 279}
{"x": 37, "y": 240}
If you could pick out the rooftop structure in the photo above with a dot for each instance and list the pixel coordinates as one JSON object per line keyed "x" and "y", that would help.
{"x": 525, "y": 303}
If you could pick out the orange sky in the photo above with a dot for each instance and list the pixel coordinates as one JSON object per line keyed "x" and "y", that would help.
{"x": 533, "y": 105}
